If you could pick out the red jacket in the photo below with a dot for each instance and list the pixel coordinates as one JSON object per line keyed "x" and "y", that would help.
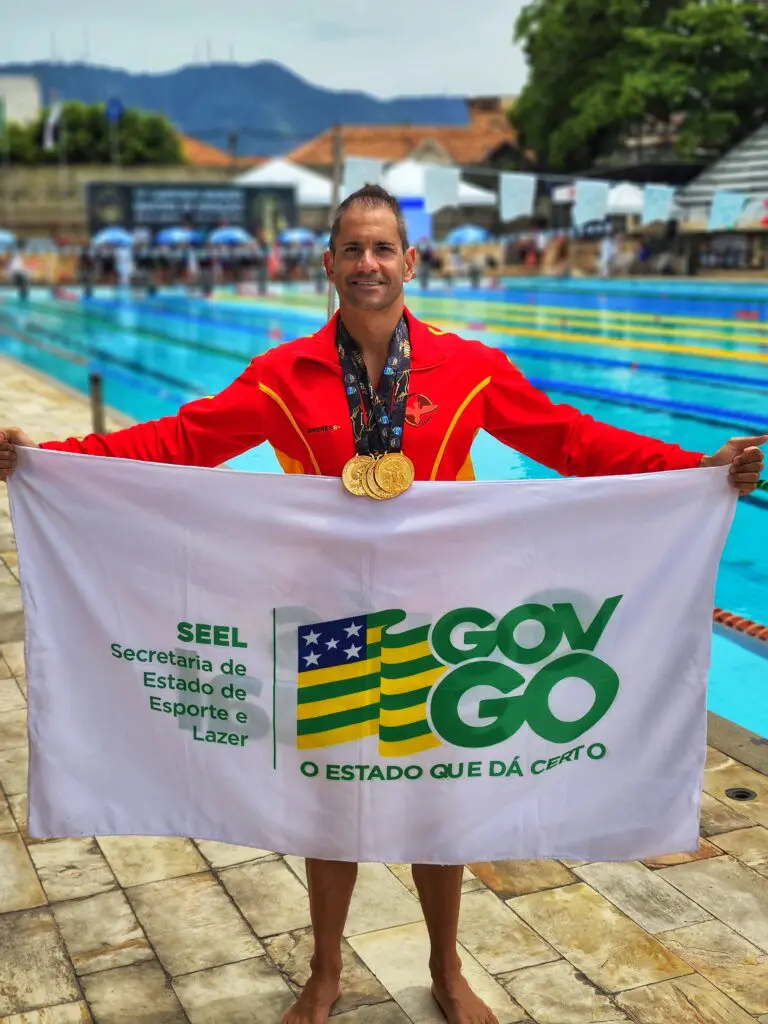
{"x": 293, "y": 396}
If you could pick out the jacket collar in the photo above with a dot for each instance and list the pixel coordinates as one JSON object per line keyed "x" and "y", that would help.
{"x": 427, "y": 346}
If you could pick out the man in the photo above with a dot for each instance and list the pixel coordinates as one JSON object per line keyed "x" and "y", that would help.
{"x": 313, "y": 399}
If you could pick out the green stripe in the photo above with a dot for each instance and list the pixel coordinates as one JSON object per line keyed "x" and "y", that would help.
{"x": 405, "y": 669}
{"x": 395, "y": 733}
{"x": 417, "y": 635}
{"x": 372, "y": 651}
{"x": 341, "y": 688}
{"x": 309, "y": 726}
{"x": 399, "y": 701}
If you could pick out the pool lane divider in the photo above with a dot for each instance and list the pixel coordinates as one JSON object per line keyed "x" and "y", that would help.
{"x": 745, "y": 632}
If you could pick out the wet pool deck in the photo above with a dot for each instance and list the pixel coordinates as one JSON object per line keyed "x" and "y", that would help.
{"x": 122, "y": 930}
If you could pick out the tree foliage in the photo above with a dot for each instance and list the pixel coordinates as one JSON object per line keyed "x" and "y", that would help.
{"x": 84, "y": 137}
{"x": 600, "y": 69}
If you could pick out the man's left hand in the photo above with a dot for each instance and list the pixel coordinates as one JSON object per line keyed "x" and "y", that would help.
{"x": 744, "y": 457}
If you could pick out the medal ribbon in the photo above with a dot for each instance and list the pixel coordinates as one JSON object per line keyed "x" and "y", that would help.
{"x": 377, "y": 414}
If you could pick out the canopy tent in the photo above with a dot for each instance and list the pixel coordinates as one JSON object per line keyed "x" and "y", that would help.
{"x": 406, "y": 180}
{"x": 311, "y": 189}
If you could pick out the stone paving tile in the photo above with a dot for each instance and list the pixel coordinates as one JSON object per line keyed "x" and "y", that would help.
{"x": 241, "y": 993}
{"x": 613, "y": 952}
{"x": 101, "y": 932}
{"x": 292, "y": 951}
{"x": 558, "y": 994}
{"x": 717, "y": 817}
{"x": 5, "y": 668}
{"x": 270, "y": 896}
{"x": 13, "y": 770}
{"x": 137, "y": 860}
{"x": 469, "y": 881}
{"x": 727, "y": 774}
{"x": 35, "y": 968}
{"x": 749, "y": 845}
{"x": 727, "y": 960}
{"x": 667, "y": 860}
{"x": 13, "y": 728}
{"x": 497, "y": 938}
{"x": 133, "y": 995}
{"x": 64, "y": 1013}
{"x": 508, "y": 878}
{"x": 18, "y": 805}
{"x": 19, "y": 886}
{"x": 192, "y": 924}
{"x": 7, "y": 820}
{"x": 13, "y": 653}
{"x": 21, "y": 682}
{"x": 736, "y": 895}
{"x": 225, "y": 855}
{"x": 399, "y": 959}
{"x": 643, "y": 895}
{"x": 71, "y": 868}
{"x": 383, "y": 1013}
{"x": 11, "y": 697}
{"x": 380, "y": 901}
{"x": 691, "y": 1000}
{"x": 298, "y": 866}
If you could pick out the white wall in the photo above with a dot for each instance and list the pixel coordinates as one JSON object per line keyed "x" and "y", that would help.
{"x": 23, "y": 98}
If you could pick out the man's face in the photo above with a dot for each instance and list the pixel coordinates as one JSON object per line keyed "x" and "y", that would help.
{"x": 369, "y": 266}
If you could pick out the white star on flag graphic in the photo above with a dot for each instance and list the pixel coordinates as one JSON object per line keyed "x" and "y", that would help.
{"x": 353, "y": 651}
{"x": 312, "y": 659}
{"x": 353, "y": 629}
{"x": 311, "y": 637}
{"x": 332, "y": 644}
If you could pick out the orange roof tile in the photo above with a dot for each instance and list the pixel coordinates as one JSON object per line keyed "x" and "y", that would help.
{"x": 204, "y": 155}
{"x": 470, "y": 144}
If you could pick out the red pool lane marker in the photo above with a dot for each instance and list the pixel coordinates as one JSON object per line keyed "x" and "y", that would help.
{"x": 275, "y": 333}
{"x": 476, "y": 325}
{"x": 747, "y": 314}
{"x": 739, "y": 624}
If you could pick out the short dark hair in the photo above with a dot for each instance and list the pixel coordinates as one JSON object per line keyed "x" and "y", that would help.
{"x": 372, "y": 196}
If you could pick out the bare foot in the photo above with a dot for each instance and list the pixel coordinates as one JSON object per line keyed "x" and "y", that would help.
{"x": 316, "y": 1001}
{"x": 460, "y": 1004}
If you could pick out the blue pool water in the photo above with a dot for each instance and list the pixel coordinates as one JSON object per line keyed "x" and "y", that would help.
{"x": 682, "y": 361}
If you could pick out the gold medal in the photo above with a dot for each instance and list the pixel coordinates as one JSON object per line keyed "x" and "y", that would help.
{"x": 394, "y": 473}
{"x": 353, "y": 472}
{"x": 372, "y": 487}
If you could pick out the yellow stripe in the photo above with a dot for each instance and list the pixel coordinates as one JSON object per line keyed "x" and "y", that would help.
{"x": 459, "y": 413}
{"x": 332, "y": 675}
{"x": 397, "y": 655}
{"x": 275, "y": 397}
{"x": 411, "y": 683}
{"x": 334, "y": 705}
{"x": 374, "y": 635}
{"x": 405, "y": 747}
{"x": 334, "y": 736}
{"x": 403, "y": 716}
{"x": 652, "y": 346}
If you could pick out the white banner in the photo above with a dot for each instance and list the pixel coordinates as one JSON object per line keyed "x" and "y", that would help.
{"x": 517, "y": 195}
{"x": 472, "y": 671}
{"x": 358, "y": 172}
{"x": 441, "y": 187}
{"x": 591, "y": 203}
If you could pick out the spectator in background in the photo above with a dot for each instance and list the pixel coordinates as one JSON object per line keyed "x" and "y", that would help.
{"x": 19, "y": 274}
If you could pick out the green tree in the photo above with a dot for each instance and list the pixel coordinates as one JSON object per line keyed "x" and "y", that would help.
{"x": 85, "y": 135}
{"x": 599, "y": 69}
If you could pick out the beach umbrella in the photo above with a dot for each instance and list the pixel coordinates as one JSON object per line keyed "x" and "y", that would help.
{"x": 467, "y": 234}
{"x": 113, "y": 236}
{"x": 174, "y": 236}
{"x": 296, "y": 236}
{"x": 7, "y": 239}
{"x": 230, "y": 236}
{"x": 324, "y": 239}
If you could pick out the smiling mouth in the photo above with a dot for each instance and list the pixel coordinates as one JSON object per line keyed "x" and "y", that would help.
{"x": 366, "y": 284}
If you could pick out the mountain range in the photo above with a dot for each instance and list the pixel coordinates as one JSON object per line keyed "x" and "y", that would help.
{"x": 271, "y": 108}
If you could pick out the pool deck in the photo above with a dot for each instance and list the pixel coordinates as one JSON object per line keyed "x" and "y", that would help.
{"x": 158, "y": 931}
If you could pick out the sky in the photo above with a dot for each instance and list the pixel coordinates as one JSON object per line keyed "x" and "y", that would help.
{"x": 400, "y": 47}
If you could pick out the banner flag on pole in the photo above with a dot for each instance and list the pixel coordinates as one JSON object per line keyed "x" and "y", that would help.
{"x": 441, "y": 187}
{"x": 358, "y": 172}
{"x": 591, "y": 202}
{"x": 51, "y": 127}
{"x": 658, "y": 203}
{"x": 469, "y": 672}
{"x": 725, "y": 210}
{"x": 517, "y": 195}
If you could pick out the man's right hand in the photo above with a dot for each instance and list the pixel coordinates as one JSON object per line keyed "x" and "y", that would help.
{"x": 9, "y": 438}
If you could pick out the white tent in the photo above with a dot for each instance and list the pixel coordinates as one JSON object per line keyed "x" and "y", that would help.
{"x": 405, "y": 180}
{"x": 626, "y": 200}
{"x": 311, "y": 189}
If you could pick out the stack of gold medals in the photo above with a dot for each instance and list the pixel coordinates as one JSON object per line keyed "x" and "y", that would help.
{"x": 379, "y": 470}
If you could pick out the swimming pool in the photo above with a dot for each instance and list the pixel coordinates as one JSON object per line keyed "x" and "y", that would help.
{"x": 683, "y": 361}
